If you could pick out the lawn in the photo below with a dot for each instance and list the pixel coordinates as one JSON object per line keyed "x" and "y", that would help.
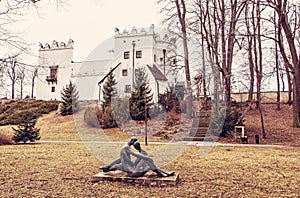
{"x": 61, "y": 169}
{"x": 65, "y": 170}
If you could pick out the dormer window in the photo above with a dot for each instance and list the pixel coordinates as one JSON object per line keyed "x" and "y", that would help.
{"x": 139, "y": 54}
{"x": 126, "y": 55}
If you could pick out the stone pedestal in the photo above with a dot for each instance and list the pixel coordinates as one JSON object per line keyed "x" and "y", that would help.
{"x": 149, "y": 178}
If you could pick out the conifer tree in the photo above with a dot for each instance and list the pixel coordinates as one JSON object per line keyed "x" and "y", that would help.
{"x": 108, "y": 90}
{"x": 69, "y": 100}
{"x": 141, "y": 97}
{"x": 106, "y": 117}
{"x": 26, "y": 130}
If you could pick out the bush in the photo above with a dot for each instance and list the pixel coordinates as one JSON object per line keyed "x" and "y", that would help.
{"x": 106, "y": 118}
{"x": 47, "y": 107}
{"x": 170, "y": 101}
{"x": 221, "y": 125}
{"x": 4, "y": 139}
{"x": 120, "y": 109}
{"x": 90, "y": 117}
{"x": 12, "y": 113}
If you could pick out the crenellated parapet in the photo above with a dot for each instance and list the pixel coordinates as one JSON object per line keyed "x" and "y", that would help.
{"x": 135, "y": 32}
{"x": 165, "y": 38}
{"x": 55, "y": 45}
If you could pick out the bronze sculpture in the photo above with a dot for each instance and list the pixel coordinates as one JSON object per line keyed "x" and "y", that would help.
{"x": 140, "y": 166}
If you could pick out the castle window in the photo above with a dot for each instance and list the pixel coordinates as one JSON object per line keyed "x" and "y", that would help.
{"x": 127, "y": 89}
{"x": 52, "y": 89}
{"x": 126, "y": 55}
{"x": 53, "y": 75}
{"x": 139, "y": 54}
{"x": 124, "y": 72}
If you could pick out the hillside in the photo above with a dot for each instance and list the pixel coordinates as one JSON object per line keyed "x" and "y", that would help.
{"x": 278, "y": 125}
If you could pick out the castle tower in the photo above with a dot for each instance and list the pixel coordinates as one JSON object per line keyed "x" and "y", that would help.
{"x": 136, "y": 48}
{"x": 54, "y": 69}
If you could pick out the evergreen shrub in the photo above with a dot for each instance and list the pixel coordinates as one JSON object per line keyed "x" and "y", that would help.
{"x": 26, "y": 130}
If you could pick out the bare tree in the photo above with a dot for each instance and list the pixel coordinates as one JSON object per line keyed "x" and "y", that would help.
{"x": 21, "y": 79}
{"x": 258, "y": 53}
{"x": 10, "y": 70}
{"x": 289, "y": 22}
{"x": 176, "y": 11}
{"x": 10, "y": 12}
{"x": 33, "y": 77}
{"x": 220, "y": 34}
{"x": 277, "y": 64}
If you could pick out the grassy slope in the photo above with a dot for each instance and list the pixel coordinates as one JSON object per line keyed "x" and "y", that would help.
{"x": 52, "y": 127}
{"x": 56, "y": 127}
{"x": 65, "y": 170}
{"x": 278, "y": 126}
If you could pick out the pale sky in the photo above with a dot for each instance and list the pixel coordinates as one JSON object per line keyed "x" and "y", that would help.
{"x": 88, "y": 22}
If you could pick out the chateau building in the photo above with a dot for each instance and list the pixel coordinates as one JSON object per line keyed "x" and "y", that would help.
{"x": 137, "y": 48}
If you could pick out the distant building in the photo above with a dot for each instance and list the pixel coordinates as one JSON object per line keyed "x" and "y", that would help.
{"x": 134, "y": 49}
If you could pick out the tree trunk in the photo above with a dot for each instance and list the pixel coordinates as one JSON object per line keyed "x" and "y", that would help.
{"x": 290, "y": 87}
{"x": 13, "y": 89}
{"x": 250, "y": 56}
{"x": 262, "y": 122}
{"x": 181, "y": 12}
{"x": 203, "y": 70}
{"x": 277, "y": 65}
{"x": 283, "y": 20}
{"x": 251, "y": 69}
{"x": 277, "y": 77}
{"x": 259, "y": 65}
{"x": 32, "y": 82}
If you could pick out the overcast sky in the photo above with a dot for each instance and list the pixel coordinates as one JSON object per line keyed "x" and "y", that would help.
{"x": 88, "y": 22}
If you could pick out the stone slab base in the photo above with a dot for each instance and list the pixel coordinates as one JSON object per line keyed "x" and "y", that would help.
{"x": 149, "y": 179}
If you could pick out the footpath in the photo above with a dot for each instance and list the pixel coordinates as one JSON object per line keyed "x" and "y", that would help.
{"x": 189, "y": 143}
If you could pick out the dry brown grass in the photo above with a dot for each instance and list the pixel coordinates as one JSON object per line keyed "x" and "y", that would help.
{"x": 56, "y": 127}
{"x": 65, "y": 170}
{"x": 278, "y": 125}
{"x": 5, "y": 139}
